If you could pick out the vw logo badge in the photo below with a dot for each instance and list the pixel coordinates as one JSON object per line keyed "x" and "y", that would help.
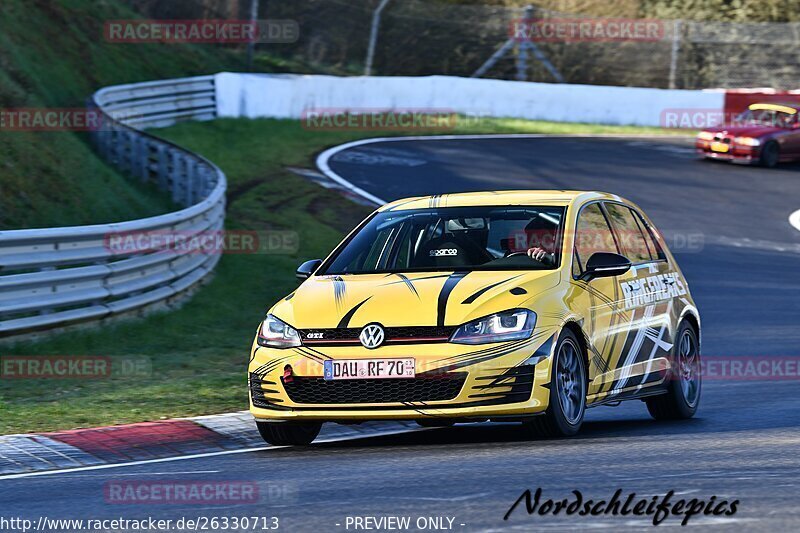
{"x": 371, "y": 336}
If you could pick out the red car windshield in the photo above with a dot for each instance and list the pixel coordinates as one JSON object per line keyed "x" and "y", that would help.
{"x": 767, "y": 117}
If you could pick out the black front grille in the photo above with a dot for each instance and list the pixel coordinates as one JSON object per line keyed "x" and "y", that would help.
{"x": 263, "y": 392}
{"x": 401, "y": 334}
{"x": 306, "y": 390}
{"x": 512, "y": 386}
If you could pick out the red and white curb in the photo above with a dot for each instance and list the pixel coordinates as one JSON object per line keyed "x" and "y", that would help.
{"x": 79, "y": 449}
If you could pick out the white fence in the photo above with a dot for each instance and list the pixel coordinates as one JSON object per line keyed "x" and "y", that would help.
{"x": 58, "y": 276}
{"x": 289, "y": 95}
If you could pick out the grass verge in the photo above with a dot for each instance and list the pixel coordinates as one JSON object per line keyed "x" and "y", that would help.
{"x": 196, "y": 357}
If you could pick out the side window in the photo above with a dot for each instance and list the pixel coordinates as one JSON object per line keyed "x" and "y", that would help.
{"x": 593, "y": 234}
{"x": 655, "y": 249}
{"x": 377, "y": 254}
{"x": 629, "y": 234}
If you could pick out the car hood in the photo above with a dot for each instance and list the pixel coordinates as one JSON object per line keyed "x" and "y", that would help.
{"x": 414, "y": 299}
{"x": 751, "y": 130}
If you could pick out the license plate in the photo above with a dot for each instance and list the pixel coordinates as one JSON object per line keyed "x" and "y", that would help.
{"x": 719, "y": 147}
{"x": 369, "y": 368}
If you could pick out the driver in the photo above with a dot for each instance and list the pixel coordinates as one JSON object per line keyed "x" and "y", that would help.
{"x": 541, "y": 235}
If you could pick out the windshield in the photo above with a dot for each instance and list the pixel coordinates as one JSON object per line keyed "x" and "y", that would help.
{"x": 766, "y": 117}
{"x": 453, "y": 238}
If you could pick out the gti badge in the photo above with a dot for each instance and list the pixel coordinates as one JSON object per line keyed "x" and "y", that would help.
{"x": 371, "y": 336}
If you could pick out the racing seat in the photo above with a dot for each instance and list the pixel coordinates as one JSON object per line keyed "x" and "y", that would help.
{"x": 450, "y": 251}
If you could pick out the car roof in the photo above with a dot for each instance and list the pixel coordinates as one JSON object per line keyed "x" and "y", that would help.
{"x": 500, "y": 198}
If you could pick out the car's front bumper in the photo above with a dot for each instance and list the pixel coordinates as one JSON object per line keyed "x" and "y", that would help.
{"x": 736, "y": 153}
{"x": 499, "y": 380}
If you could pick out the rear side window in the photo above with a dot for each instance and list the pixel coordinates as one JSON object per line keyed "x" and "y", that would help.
{"x": 655, "y": 249}
{"x": 630, "y": 235}
{"x": 593, "y": 234}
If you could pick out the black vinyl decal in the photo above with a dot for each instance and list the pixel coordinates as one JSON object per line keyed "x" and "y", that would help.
{"x": 449, "y": 284}
{"x": 339, "y": 289}
{"x": 343, "y": 323}
{"x": 408, "y": 283}
{"x": 480, "y": 292}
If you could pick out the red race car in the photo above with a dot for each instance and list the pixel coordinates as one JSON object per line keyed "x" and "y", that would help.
{"x": 765, "y": 134}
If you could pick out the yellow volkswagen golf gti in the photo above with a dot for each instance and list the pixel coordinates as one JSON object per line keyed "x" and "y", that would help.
{"x": 527, "y": 306}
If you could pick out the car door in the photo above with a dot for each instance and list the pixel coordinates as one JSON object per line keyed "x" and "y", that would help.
{"x": 647, "y": 303}
{"x": 791, "y": 137}
{"x": 600, "y": 300}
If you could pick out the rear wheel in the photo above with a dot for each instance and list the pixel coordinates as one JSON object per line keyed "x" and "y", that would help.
{"x": 289, "y": 433}
{"x": 683, "y": 389}
{"x": 564, "y": 416}
{"x": 770, "y": 154}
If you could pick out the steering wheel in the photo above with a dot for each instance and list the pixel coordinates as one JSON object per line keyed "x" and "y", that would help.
{"x": 546, "y": 260}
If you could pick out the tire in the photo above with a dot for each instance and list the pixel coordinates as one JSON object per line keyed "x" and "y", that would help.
{"x": 685, "y": 380}
{"x": 568, "y": 386}
{"x": 770, "y": 154}
{"x": 289, "y": 433}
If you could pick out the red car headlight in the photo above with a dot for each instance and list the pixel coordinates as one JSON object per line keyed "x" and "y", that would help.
{"x": 746, "y": 141}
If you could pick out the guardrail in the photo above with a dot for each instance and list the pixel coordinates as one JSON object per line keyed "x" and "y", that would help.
{"x": 59, "y": 276}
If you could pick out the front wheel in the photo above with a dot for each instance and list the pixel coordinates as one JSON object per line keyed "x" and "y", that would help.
{"x": 564, "y": 416}
{"x": 683, "y": 390}
{"x": 770, "y": 154}
{"x": 289, "y": 433}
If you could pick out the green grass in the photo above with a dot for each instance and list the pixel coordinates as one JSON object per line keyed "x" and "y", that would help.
{"x": 53, "y": 54}
{"x": 198, "y": 355}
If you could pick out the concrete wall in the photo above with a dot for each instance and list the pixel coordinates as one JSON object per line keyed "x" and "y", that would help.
{"x": 289, "y": 95}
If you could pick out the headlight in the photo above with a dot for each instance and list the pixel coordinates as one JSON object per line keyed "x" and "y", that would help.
{"x": 277, "y": 334}
{"x": 705, "y": 135}
{"x": 506, "y": 326}
{"x": 746, "y": 141}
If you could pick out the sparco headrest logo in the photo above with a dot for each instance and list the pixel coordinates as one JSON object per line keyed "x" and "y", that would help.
{"x": 371, "y": 336}
{"x": 443, "y": 252}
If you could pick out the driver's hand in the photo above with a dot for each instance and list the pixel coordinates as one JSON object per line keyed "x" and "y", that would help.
{"x": 539, "y": 254}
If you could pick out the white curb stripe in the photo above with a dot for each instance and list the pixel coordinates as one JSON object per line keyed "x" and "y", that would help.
{"x": 210, "y": 454}
{"x": 794, "y": 220}
{"x": 38, "y": 452}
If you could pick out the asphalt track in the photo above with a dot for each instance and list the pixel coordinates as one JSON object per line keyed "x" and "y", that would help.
{"x": 730, "y": 232}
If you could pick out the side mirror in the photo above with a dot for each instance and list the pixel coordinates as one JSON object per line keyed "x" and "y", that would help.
{"x": 605, "y": 265}
{"x": 305, "y": 270}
